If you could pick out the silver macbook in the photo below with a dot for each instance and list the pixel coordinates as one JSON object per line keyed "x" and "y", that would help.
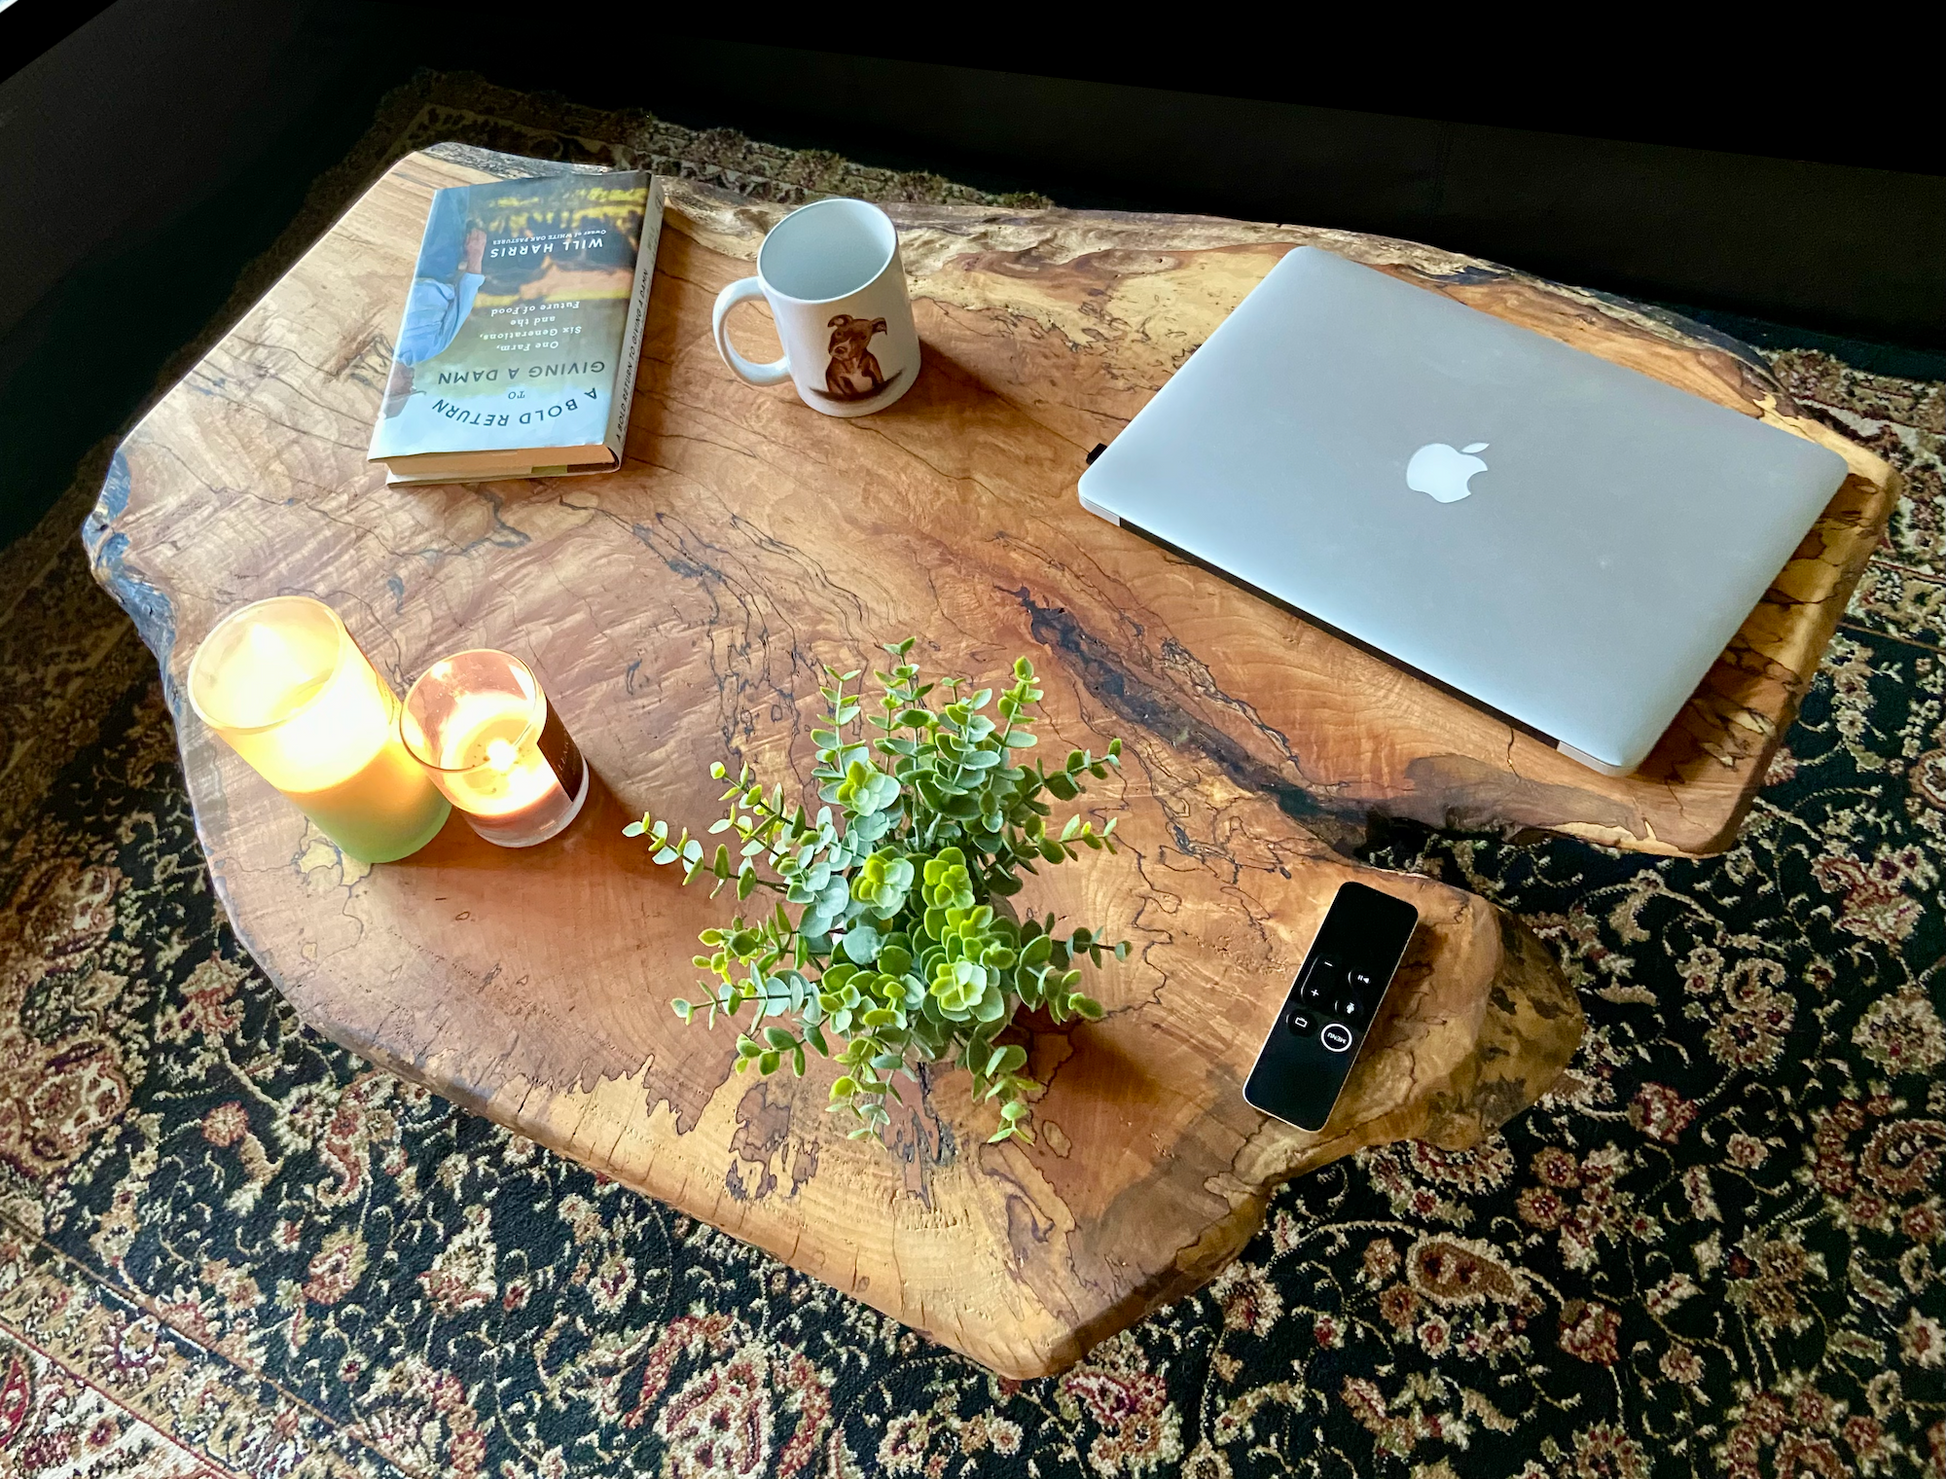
{"x": 1560, "y": 539}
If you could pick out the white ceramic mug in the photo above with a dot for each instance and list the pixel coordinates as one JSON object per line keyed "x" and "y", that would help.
{"x": 836, "y": 287}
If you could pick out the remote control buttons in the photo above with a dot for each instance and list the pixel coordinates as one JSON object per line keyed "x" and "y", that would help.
{"x": 1350, "y": 1006}
{"x": 1359, "y": 979}
{"x": 1336, "y": 1036}
{"x": 1320, "y": 982}
{"x": 1301, "y": 1021}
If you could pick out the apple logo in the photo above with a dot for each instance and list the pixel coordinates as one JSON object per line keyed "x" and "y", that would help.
{"x": 1442, "y": 472}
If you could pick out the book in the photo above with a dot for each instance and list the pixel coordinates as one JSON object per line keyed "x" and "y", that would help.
{"x": 517, "y": 352}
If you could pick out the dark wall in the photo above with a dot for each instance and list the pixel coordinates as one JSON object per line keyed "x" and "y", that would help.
{"x": 144, "y": 160}
{"x": 1832, "y": 246}
{"x": 143, "y": 115}
{"x": 155, "y": 150}
{"x": 1625, "y": 79}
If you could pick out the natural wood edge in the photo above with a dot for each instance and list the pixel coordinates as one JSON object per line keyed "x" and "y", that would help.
{"x": 1532, "y": 1018}
{"x": 1885, "y": 486}
{"x": 1528, "y": 1028}
{"x": 1716, "y": 732}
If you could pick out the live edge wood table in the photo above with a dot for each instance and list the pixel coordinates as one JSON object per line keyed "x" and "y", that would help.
{"x": 677, "y": 611}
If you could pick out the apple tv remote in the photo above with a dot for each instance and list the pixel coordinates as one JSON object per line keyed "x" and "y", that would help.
{"x": 1334, "y": 1000}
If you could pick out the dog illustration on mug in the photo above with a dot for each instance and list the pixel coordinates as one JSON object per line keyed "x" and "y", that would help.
{"x": 854, "y": 373}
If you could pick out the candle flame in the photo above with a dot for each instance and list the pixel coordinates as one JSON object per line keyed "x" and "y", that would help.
{"x": 501, "y": 755}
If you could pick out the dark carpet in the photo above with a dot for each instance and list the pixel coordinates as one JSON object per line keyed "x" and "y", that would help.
{"x": 228, "y": 1247}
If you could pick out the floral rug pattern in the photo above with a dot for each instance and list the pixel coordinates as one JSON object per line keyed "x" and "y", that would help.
{"x": 230, "y": 1248}
{"x": 227, "y": 1247}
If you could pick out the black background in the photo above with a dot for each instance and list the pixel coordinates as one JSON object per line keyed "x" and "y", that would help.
{"x": 168, "y": 141}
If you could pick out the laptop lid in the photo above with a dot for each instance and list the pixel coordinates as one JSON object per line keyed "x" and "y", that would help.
{"x": 1565, "y": 540}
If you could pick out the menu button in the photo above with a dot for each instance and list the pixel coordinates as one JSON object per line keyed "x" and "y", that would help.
{"x": 1336, "y": 1036}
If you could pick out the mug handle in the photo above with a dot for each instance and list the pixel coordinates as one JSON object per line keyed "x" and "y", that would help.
{"x": 773, "y": 373}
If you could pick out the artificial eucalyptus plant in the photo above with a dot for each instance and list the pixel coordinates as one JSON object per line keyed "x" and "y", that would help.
{"x": 896, "y": 950}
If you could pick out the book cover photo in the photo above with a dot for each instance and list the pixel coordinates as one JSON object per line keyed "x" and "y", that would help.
{"x": 522, "y": 324}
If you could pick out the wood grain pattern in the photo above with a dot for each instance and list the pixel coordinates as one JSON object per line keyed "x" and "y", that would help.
{"x": 676, "y": 612}
{"x": 1100, "y": 310}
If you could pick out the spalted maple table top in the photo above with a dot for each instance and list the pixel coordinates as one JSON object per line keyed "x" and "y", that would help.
{"x": 677, "y": 612}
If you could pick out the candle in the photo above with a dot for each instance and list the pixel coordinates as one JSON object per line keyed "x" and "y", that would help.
{"x": 288, "y": 689}
{"x": 486, "y": 734}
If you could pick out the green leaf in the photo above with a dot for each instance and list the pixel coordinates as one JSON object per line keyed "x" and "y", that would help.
{"x": 860, "y": 944}
{"x": 918, "y": 967}
{"x": 1009, "y": 1059}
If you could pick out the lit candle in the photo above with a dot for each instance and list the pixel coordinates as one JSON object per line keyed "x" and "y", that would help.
{"x": 487, "y": 736}
{"x": 286, "y": 687}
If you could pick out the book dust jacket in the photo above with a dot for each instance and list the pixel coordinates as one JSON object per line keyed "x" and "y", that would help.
{"x": 515, "y": 327}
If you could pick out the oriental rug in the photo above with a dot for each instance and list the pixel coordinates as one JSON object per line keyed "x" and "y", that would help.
{"x": 228, "y": 1247}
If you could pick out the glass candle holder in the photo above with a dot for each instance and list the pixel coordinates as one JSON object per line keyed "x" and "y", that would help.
{"x": 486, "y": 734}
{"x": 286, "y": 687}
